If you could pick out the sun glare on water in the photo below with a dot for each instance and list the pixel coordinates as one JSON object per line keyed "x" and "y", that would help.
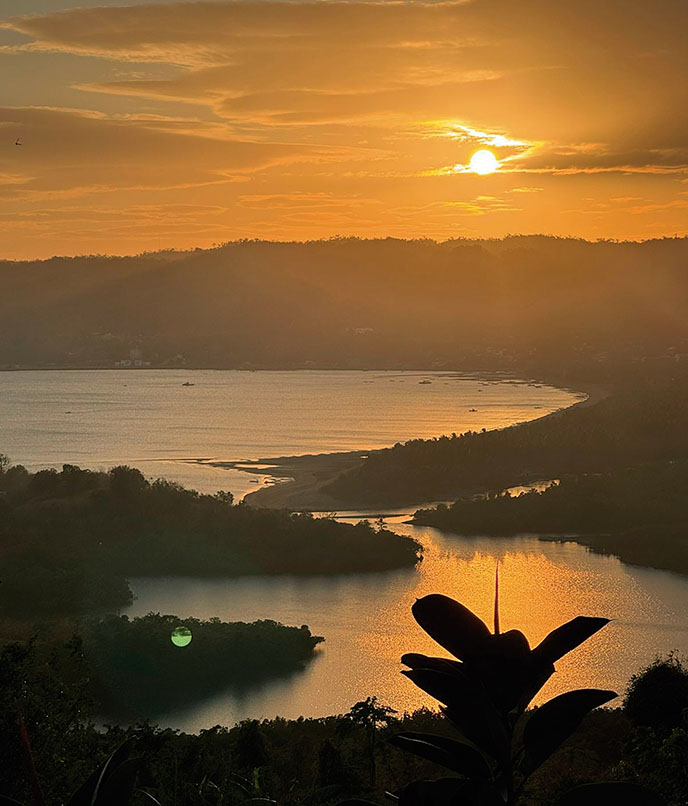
{"x": 483, "y": 162}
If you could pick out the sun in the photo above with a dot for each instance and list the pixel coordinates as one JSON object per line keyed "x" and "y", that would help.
{"x": 483, "y": 162}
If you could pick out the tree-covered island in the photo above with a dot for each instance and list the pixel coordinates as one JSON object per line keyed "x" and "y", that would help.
{"x": 70, "y": 540}
{"x": 636, "y": 513}
{"x": 144, "y": 666}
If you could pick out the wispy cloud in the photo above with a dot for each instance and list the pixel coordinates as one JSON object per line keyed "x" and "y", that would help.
{"x": 313, "y": 105}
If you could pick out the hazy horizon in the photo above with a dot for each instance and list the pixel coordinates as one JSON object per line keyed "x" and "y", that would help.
{"x": 512, "y": 236}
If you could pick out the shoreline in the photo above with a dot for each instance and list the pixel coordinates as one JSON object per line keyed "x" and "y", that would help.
{"x": 300, "y": 479}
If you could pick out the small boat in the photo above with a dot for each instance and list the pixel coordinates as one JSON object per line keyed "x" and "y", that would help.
{"x": 188, "y": 383}
{"x": 472, "y": 409}
{"x": 424, "y": 382}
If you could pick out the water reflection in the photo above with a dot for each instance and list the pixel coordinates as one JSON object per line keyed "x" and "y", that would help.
{"x": 367, "y": 623}
{"x": 99, "y": 418}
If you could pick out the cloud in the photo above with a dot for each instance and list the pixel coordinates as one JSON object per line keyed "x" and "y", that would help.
{"x": 299, "y": 119}
{"x": 70, "y": 152}
{"x": 535, "y": 71}
{"x": 599, "y": 158}
{"x": 303, "y": 200}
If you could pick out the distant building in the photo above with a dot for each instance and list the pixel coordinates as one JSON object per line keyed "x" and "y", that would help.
{"x": 127, "y": 363}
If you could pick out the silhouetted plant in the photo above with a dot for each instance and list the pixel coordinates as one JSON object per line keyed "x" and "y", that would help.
{"x": 657, "y": 697}
{"x": 113, "y": 783}
{"x": 485, "y": 693}
{"x": 371, "y": 714}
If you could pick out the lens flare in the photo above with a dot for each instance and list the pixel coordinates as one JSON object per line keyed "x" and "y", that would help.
{"x": 181, "y": 636}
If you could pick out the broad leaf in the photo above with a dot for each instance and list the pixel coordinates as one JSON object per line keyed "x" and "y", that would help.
{"x": 503, "y": 665}
{"x": 468, "y": 706}
{"x": 567, "y": 637}
{"x": 418, "y": 661}
{"x": 511, "y": 644}
{"x": 535, "y": 677}
{"x": 455, "y": 755}
{"x": 554, "y": 722}
{"x": 452, "y": 625}
{"x": 450, "y": 688}
{"x": 607, "y": 793}
{"x": 481, "y": 724}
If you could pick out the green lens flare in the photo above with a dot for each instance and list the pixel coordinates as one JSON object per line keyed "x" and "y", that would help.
{"x": 181, "y": 636}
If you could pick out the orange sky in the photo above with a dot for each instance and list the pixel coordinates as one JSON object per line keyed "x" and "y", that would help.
{"x": 186, "y": 124}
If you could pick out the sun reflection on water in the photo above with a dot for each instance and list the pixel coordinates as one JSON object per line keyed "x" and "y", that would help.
{"x": 367, "y": 622}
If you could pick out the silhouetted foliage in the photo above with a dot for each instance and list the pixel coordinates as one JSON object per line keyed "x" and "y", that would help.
{"x": 371, "y": 715}
{"x": 657, "y": 697}
{"x": 252, "y": 751}
{"x": 136, "y": 670}
{"x": 70, "y": 539}
{"x": 303, "y": 762}
{"x": 484, "y": 694}
{"x": 637, "y": 513}
{"x": 113, "y": 783}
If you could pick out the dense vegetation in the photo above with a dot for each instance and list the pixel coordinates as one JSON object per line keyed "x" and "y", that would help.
{"x": 69, "y": 540}
{"x": 638, "y": 513}
{"x": 314, "y": 761}
{"x": 644, "y": 421}
{"x": 136, "y": 671}
{"x": 527, "y": 301}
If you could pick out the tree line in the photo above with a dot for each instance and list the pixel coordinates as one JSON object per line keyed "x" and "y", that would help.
{"x": 71, "y": 539}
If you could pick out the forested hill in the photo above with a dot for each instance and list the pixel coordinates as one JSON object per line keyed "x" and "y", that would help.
{"x": 528, "y": 301}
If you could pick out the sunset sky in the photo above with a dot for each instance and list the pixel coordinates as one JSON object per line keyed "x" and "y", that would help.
{"x": 174, "y": 124}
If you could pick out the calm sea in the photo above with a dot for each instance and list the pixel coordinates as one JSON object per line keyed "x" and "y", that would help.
{"x": 149, "y": 419}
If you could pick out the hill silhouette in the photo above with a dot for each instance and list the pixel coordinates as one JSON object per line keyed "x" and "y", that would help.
{"x": 524, "y": 301}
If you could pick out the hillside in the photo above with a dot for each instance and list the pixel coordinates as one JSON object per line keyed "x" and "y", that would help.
{"x": 527, "y": 301}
